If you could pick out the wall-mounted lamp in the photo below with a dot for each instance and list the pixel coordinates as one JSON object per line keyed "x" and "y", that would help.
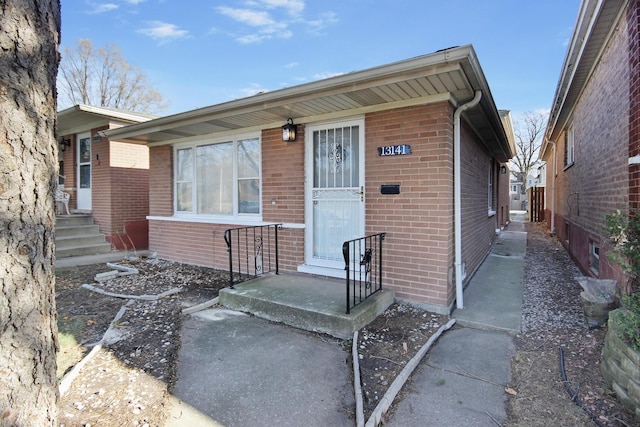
{"x": 503, "y": 169}
{"x": 289, "y": 131}
{"x": 64, "y": 143}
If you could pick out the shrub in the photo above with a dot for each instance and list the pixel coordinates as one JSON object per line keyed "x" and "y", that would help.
{"x": 623, "y": 231}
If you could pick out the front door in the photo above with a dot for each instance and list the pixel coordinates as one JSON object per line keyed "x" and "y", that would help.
{"x": 84, "y": 172}
{"x": 335, "y": 191}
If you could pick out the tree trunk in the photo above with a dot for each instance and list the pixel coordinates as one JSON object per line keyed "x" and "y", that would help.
{"x": 29, "y": 37}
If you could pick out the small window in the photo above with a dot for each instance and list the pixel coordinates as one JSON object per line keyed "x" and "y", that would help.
{"x": 566, "y": 232}
{"x": 569, "y": 147}
{"x": 594, "y": 257}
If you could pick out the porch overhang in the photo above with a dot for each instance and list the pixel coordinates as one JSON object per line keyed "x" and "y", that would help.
{"x": 451, "y": 75}
{"x": 82, "y": 118}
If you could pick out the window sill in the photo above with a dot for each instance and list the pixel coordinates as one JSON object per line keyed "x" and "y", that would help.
{"x": 491, "y": 213}
{"x": 236, "y": 221}
{"x": 568, "y": 166}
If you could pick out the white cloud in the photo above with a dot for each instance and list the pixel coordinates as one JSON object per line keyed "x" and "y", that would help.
{"x": 102, "y": 8}
{"x": 163, "y": 31}
{"x": 254, "y": 89}
{"x": 316, "y": 26}
{"x": 326, "y": 75}
{"x": 267, "y": 27}
{"x": 292, "y": 65}
{"x": 135, "y": 1}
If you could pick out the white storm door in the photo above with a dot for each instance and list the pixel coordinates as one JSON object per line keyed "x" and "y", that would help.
{"x": 84, "y": 172}
{"x": 335, "y": 191}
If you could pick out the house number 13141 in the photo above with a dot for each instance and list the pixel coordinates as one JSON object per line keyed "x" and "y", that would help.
{"x": 394, "y": 150}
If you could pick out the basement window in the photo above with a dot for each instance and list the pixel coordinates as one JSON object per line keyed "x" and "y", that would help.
{"x": 594, "y": 257}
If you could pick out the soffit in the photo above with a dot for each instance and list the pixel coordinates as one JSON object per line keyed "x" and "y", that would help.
{"x": 595, "y": 23}
{"x": 83, "y": 118}
{"x": 452, "y": 74}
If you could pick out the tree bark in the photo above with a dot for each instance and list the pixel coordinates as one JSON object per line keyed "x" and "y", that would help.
{"x": 29, "y": 38}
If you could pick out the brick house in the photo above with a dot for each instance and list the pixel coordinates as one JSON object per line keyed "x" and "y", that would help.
{"x": 105, "y": 178}
{"x": 592, "y": 138}
{"x": 400, "y": 126}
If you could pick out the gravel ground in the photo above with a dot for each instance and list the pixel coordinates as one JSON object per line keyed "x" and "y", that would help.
{"x": 553, "y": 320}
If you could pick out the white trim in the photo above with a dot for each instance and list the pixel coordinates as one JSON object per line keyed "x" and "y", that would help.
{"x": 200, "y": 219}
{"x": 322, "y": 271}
{"x": 201, "y": 142}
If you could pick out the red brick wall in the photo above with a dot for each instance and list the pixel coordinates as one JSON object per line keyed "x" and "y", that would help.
{"x": 161, "y": 181}
{"x": 419, "y": 221}
{"x": 419, "y": 244}
{"x": 101, "y": 183}
{"x": 69, "y": 157}
{"x": 283, "y": 192}
{"x": 129, "y": 167}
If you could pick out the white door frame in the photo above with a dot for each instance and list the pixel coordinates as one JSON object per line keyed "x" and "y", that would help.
{"x": 334, "y": 268}
{"x": 84, "y": 182}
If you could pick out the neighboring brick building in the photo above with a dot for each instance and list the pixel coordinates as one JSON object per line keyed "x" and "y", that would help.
{"x": 592, "y": 136}
{"x": 108, "y": 179}
{"x": 226, "y": 166}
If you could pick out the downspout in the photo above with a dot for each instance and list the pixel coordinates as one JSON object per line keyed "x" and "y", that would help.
{"x": 457, "y": 197}
{"x": 553, "y": 188}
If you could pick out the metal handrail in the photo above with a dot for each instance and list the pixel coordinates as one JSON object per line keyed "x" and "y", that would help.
{"x": 363, "y": 266}
{"x": 255, "y": 251}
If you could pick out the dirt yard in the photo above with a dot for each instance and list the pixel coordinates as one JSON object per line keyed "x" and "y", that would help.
{"x": 129, "y": 375}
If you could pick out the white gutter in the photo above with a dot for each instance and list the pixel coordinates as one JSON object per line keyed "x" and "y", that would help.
{"x": 457, "y": 196}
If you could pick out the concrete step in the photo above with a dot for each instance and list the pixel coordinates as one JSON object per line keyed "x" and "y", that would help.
{"x": 71, "y": 251}
{"x": 78, "y": 230}
{"x": 73, "y": 220}
{"x": 77, "y": 235}
{"x": 80, "y": 240}
{"x": 306, "y": 302}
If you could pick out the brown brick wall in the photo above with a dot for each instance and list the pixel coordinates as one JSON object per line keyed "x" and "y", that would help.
{"x": 478, "y": 228}
{"x": 598, "y": 182}
{"x": 633, "y": 22}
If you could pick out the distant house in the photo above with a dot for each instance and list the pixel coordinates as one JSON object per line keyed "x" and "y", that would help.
{"x": 414, "y": 149}
{"x": 592, "y": 141}
{"x": 107, "y": 179}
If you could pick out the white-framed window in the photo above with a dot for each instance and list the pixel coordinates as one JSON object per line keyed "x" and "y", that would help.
{"x": 219, "y": 178}
{"x": 569, "y": 147}
{"x": 491, "y": 210}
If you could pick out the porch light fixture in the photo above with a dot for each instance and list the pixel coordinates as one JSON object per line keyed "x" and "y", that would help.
{"x": 64, "y": 143}
{"x": 289, "y": 131}
{"x": 503, "y": 169}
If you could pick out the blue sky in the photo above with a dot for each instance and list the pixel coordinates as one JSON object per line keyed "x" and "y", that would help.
{"x": 199, "y": 53}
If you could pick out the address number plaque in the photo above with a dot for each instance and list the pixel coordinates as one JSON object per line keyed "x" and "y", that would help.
{"x": 394, "y": 150}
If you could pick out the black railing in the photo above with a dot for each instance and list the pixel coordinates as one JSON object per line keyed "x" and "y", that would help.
{"x": 363, "y": 266}
{"x": 252, "y": 251}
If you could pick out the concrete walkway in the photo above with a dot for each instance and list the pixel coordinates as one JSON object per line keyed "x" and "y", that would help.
{"x": 236, "y": 370}
{"x": 462, "y": 380}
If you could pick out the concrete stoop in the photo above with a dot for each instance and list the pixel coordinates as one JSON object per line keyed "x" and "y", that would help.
{"x": 77, "y": 235}
{"x": 306, "y": 302}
